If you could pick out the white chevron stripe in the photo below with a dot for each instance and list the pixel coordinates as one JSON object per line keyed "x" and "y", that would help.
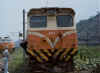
{"x": 52, "y": 44}
{"x": 42, "y": 36}
{"x": 55, "y": 42}
{"x": 37, "y": 34}
{"x": 68, "y": 33}
{"x": 65, "y": 34}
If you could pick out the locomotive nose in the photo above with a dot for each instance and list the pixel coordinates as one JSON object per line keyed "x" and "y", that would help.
{"x": 54, "y": 35}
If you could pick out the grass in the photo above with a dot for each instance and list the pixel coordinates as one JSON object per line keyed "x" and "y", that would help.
{"x": 16, "y": 60}
{"x": 90, "y": 50}
{"x": 87, "y": 56}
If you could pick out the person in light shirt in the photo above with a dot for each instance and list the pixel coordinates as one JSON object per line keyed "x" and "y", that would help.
{"x": 6, "y": 54}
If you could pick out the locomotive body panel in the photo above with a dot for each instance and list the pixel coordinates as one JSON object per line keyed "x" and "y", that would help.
{"x": 48, "y": 39}
{"x": 53, "y": 42}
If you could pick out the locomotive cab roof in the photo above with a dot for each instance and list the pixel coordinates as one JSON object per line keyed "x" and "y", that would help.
{"x": 50, "y": 11}
{"x": 51, "y": 17}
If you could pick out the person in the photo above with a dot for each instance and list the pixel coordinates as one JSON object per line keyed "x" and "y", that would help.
{"x": 6, "y": 54}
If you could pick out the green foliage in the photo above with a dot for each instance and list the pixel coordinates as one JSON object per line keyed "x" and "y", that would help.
{"x": 16, "y": 60}
{"x": 87, "y": 57}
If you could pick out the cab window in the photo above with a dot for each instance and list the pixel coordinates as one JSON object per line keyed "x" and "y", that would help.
{"x": 64, "y": 21}
{"x": 38, "y": 21}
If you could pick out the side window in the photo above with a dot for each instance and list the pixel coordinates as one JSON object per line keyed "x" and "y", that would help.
{"x": 64, "y": 21}
{"x": 38, "y": 21}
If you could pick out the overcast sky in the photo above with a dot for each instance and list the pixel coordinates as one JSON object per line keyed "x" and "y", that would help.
{"x": 11, "y": 10}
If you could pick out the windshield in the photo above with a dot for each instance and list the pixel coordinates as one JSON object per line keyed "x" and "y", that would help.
{"x": 64, "y": 21}
{"x": 38, "y": 21}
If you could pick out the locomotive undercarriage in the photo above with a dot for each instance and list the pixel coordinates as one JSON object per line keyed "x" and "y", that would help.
{"x": 52, "y": 66}
{"x": 53, "y": 62}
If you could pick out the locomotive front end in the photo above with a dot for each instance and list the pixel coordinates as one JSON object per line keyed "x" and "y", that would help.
{"x": 51, "y": 36}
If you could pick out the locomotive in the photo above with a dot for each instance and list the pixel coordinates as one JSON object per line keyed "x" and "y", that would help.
{"x": 6, "y": 42}
{"x": 51, "y": 37}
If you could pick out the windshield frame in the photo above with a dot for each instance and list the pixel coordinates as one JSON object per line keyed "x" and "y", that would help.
{"x": 72, "y": 19}
{"x": 37, "y": 24}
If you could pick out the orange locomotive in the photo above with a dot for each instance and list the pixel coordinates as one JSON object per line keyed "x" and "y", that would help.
{"x": 51, "y": 36}
{"x": 6, "y": 42}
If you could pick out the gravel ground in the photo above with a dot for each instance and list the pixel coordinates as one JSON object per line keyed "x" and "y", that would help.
{"x": 25, "y": 68}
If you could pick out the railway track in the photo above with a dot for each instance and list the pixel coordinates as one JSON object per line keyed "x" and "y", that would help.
{"x": 36, "y": 68}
